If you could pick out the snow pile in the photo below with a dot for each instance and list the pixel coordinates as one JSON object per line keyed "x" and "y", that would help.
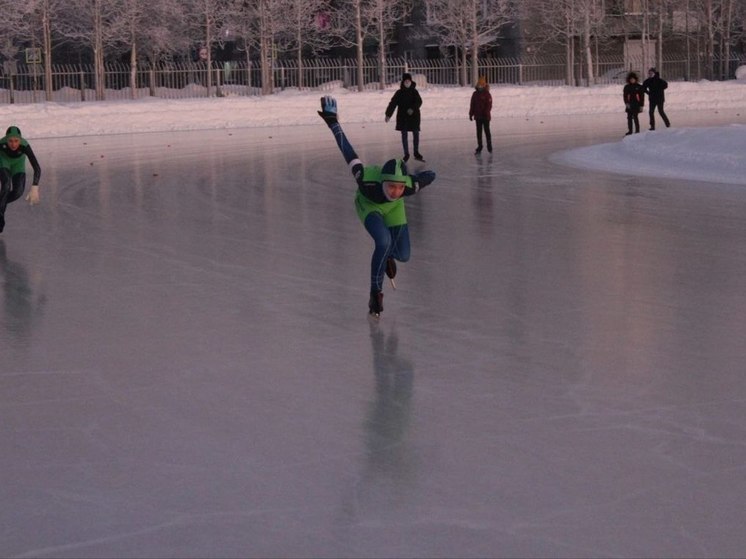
{"x": 713, "y": 154}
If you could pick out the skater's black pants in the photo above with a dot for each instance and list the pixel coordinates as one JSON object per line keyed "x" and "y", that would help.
{"x": 659, "y": 105}
{"x": 633, "y": 118}
{"x": 484, "y": 125}
{"x": 11, "y": 188}
{"x": 415, "y": 141}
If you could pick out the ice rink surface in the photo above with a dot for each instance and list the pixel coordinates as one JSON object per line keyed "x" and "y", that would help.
{"x": 187, "y": 368}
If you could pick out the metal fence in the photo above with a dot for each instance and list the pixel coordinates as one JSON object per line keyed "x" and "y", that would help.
{"x": 70, "y": 83}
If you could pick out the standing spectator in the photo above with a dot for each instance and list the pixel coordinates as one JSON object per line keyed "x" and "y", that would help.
{"x": 634, "y": 101}
{"x": 654, "y": 86}
{"x": 14, "y": 152}
{"x": 407, "y": 102}
{"x": 480, "y": 110}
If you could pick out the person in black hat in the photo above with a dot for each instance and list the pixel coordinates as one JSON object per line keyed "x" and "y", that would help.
{"x": 654, "y": 86}
{"x": 634, "y": 101}
{"x": 14, "y": 151}
{"x": 407, "y": 102}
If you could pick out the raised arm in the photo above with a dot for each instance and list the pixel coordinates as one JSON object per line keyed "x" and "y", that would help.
{"x": 329, "y": 113}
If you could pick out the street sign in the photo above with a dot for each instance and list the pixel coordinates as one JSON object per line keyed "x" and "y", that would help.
{"x": 33, "y": 56}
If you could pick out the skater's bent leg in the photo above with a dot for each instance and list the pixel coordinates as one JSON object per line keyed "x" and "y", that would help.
{"x": 377, "y": 229}
{"x": 488, "y": 135}
{"x": 416, "y": 141}
{"x": 5, "y": 189}
{"x": 400, "y": 242}
{"x": 480, "y": 127}
{"x": 651, "y": 113}
{"x": 18, "y": 185}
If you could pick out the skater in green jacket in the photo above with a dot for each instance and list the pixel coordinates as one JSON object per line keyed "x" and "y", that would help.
{"x": 379, "y": 202}
{"x": 14, "y": 151}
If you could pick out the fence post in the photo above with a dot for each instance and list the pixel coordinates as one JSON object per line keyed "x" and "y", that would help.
{"x": 520, "y": 73}
{"x": 12, "y": 90}
{"x": 218, "y": 90}
{"x": 82, "y": 85}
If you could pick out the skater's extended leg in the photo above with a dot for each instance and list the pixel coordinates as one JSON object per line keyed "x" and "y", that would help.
{"x": 381, "y": 234}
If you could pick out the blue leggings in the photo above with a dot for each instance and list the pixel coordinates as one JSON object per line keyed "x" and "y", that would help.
{"x": 415, "y": 141}
{"x": 390, "y": 242}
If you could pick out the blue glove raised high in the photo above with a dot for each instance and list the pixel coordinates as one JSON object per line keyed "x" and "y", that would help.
{"x": 328, "y": 109}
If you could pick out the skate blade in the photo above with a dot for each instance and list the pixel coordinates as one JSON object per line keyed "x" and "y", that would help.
{"x": 393, "y": 283}
{"x": 374, "y": 316}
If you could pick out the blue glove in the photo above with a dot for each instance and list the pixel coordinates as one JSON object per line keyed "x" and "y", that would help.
{"x": 328, "y": 109}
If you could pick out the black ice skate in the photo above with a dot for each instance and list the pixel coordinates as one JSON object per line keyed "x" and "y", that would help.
{"x": 391, "y": 270}
{"x": 418, "y": 156}
{"x": 375, "y": 304}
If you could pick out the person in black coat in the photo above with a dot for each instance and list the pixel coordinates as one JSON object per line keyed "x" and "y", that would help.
{"x": 634, "y": 101}
{"x": 654, "y": 86}
{"x": 407, "y": 102}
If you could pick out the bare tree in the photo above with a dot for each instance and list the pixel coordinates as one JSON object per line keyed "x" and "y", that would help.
{"x": 151, "y": 28}
{"x": 469, "y": 25}
{"x": 208, "y": 19}
{"x": 351, "y": 28}
{"x": 383, "y": 15}
{"x": 259, "y": 23}
{"x": 38, "y": 17}
{"x": 305, "y": 29}
{"x": 576, "y": 24}
{"x": 90, "y": 23}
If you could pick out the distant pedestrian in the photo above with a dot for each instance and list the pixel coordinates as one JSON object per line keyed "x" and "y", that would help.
{"x": 480, "y": 110}
{"x": 634, "y": 101}
{"x": 655, "y": 87}
{"x": 407, "y": 102}
{"x": 14, "y": 151}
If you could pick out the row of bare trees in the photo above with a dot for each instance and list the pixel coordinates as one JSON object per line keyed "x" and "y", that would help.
{"x": 157, "y": 30}
{"x": 710, "y": 27}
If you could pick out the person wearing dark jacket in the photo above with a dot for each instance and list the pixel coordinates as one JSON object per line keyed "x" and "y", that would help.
{"x": 654, "y": 86}
{"x": 407, "y": 102}
{"x": 480, "y": 110}
{"x": 14, "y": 152}
{"x": 634, "y": 101}
{"x": 379, "y": 201}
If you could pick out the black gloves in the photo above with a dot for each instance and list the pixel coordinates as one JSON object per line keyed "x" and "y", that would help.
{"x": 328, "y": 110}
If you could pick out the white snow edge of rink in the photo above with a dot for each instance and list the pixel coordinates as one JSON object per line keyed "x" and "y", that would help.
{"x": 712, "y": 154}
{"x": 292, "y": 107}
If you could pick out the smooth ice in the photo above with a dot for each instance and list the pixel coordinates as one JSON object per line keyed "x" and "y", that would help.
{"x": 187, "y": 368}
